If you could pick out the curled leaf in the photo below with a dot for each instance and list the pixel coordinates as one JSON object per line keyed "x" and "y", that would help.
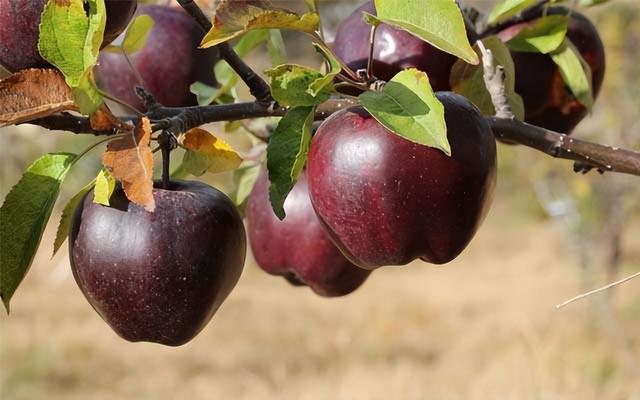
{"x": 32, "y": 94}
{"x": 129, "y": 160}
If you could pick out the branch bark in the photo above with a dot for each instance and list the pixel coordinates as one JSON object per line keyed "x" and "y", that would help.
{"x": 258, "y": 87}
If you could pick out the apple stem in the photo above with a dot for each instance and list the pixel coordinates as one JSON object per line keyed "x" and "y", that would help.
{"x": 372, "y": 45}
{"x": 167, "y": 142}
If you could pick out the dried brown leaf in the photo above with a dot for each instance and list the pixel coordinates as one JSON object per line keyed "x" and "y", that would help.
{"x": 33, "y": 93}
{"x": 104, "y": 120}
{"x": 130, "y": 160}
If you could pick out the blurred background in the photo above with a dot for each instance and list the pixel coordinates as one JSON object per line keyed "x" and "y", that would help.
{"x": 482, "y": 327}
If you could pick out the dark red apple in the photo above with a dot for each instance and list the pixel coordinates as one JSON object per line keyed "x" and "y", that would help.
{"x": 297, "y": 247}
{"x": 19, "y": 30}
{"x": 158, "y": 277}
{"x": 548, "y": 101}
{"x": 168, "y": 64}
{"x": 394, "y": 50}
{"x": 387, "y": 201}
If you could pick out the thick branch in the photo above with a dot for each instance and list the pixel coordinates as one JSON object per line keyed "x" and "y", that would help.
{"x": 257, "y": 86}
{"x": 604, "y": 158}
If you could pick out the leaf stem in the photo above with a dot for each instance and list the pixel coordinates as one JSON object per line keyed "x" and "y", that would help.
{"x": 372, "y": 45}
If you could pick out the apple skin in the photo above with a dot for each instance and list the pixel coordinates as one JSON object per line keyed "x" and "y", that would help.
{"x": 297, "y": 247}
{"x": 387, "y": 201}
{"x": 548, "y": 101}
{"x": 168, "y": 64}
{"x": 19, "y": 30}
{"x": 158, "y": 277}
{"x": 394, "y": 50}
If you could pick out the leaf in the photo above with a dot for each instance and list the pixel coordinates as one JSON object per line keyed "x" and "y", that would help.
{"x": 326, "y": 81}
{"x": 408, "y": 107}
{"x": 33, "y": 93}
{"x": 207, "y": 153}
{"x": 67, "y": 217}
{"x": 589, "y": 3}
{"x": 105, "y": 184}
{"x": 24, "y": 215}
{"x": 290, "y": 84}
{"x": 137, "y": 34}
{"x": 543, "y": 36}
{"x": 468, "y": 80}
{"x": 287, "y": 153}
{"x": 129, "y": 160}
{"x": 104, "y": 120}
{"x": 276, "y": 47}
{"x": 575, "y": 71}
{"x": 236, "y": 17}
{"x": 508, "y": 8}
{"x": 438, "y": 22}
{"x": 70, "y": 39}
{"x": 244, "y": 178}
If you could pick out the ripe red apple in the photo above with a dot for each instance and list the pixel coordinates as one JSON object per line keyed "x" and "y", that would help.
{"x": 394, "y": 50}
{"x": 19, "y": 30}
{"x": 168, "y": 64}
{"x": 158, "y": 277}
{"x": 548, "y": 101}
{"x": 297, "y": 247}
{"x": 387, "y": 201}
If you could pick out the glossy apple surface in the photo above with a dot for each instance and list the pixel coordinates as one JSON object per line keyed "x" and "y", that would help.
{"x": 19, "y": 30}
{"x": 394, "y": 50}
{"x": 168, "y": 64}
{"x": 158, "y": 277}
{"x": 387, "y": 201}
{"x": 548, "y": 101}
{"x": 297, "y": 247}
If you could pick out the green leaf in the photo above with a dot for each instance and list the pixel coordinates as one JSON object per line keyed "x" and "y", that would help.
{"x": 438, "y": 22}
{"x": 589, "y": 3}
{"x": 290, "y": 84}
{"x": 468, "y": 80}
{"x": 105, "y": 184}
{"x": 86, "y": 94}
{"x": 544, "y": 36}
{"x": 233, "y": 19}
{"x": 244, "y": 178}
{"x": 408, "y": 107}
{"x": 508, "y": 8}
{"x": 287, "y": 153}
{"x": 137, "y": 34}
{"x": 67, "y": 217}
{"x": 326, "y": 81}
{"x": 70, "y": 39}
{"x": 276, "y": 47}
{"x": 575, "y": 71}
{"x": 24, "y": 215}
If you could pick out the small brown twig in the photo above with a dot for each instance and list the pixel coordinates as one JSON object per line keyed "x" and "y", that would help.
{"x": 602, "y": 289}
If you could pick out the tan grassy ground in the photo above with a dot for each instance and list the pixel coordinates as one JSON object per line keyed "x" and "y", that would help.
{"x": 483, "y": 327}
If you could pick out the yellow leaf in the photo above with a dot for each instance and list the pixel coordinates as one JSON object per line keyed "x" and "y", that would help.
{"x": 206, "y": 152}
{"x": 105, "y": 185}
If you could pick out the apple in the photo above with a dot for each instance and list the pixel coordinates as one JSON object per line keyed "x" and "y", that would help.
{"x": 160, "y": 276}
{"x": 548, "y": 101}
{"x": 394, "y": 50}
{"x": 386, "y": 200}
{"x": 19, "y": 30}
{"x": 168, "y": 64}
{"x": 297, "y": 247}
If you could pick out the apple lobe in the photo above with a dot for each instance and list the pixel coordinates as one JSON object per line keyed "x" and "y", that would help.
{"x": 387, "y": 201}
{"x": 297, "y": 247}
{"x": 158, "y": 277}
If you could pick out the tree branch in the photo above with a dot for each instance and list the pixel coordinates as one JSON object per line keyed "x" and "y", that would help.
{"x": 258, "y": 87}
{"x": 587, "y": 154}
